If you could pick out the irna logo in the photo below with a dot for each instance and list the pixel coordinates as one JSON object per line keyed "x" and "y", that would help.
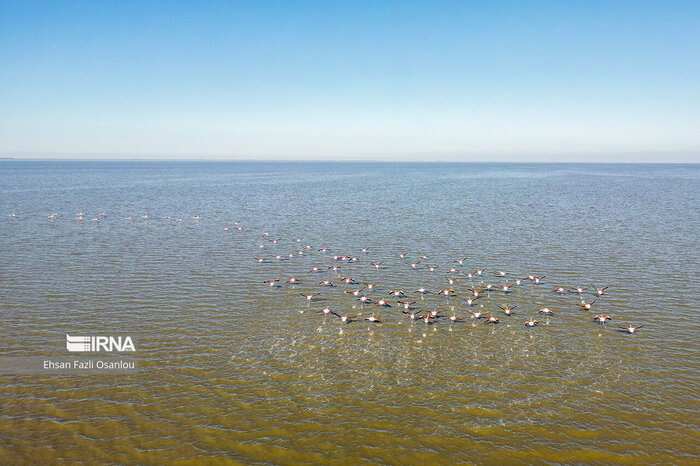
{"x": 92, "y": 344}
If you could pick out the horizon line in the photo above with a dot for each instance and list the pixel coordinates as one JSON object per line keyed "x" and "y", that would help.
{"x": 301, "y": 160}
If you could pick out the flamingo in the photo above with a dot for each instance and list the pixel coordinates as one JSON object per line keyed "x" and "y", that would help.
{"x": 308, "y": 297}
{"x": 629, "y": 329}
{"x": 531, "y": 323}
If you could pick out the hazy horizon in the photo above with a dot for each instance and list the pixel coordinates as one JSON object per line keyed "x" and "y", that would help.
{"x": 683, "y": 159}
{"x": 390, "y": 81}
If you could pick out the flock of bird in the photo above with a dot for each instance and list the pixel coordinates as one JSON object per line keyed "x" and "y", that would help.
{"x": 369, "y": 294}
{"x": 100, "y": 216}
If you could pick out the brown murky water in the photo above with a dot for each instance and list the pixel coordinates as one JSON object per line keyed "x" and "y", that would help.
{"x": 230, "y": 368}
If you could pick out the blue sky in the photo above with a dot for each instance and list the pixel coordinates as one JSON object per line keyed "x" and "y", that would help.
{"x": 463, "y": 80}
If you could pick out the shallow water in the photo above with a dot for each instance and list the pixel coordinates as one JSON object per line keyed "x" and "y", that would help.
{"x": 230, "y": 367}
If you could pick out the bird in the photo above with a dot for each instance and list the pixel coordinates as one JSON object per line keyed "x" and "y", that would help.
{"x": 406, "y": 305}
{"x": 506, "y": 288}
{"x": 600, "y": 291}
{"x": 446, "y": 292}
{"x": 260, "y": 259}
{"x": 629, "y": 329}
{"x": 432, "y": 267}
{"x": 531, "y": 323}
{"x": 454, "y": 318}
{"x": 326, "y": 311}
{"x": 492, "y": 320}
{"x": 364, "y": 299}
{"x": 315, "y": 270}
{"x": 355, "y": 292}
{"x": 272, "y": 282}
{"x": 460, "y": 261}
{"x": 560, "y": 290}
{"x": 586, "y": 305}
{"x": 601, "y": 319}
{"x": 325, "y": 283}
{"x": 422, "y": 291}
{"x": 377, "y": 265}
{"x": 382, "y": 303}
{"x": 293, "y": 280}
{"x": 309, "y": 297}
{"x": 580, "y": 290}
{"x": 508, "y": 309}
{"x": 470, "y": 301}
{"x": 345, "y": 318}
{"x": 397, "y": 292}
{"x": 415, "y": 265}
{"x": 411, "y": 315}
{"x": 546, "y": 311}
{"x": 373, "y": 319}
{"x": 477, "y": 314}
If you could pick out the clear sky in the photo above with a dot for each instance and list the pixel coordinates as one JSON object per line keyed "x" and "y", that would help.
{"x": 392, "y": 80}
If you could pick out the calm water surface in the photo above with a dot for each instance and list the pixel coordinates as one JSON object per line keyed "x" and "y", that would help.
{"x": 233, "y": 369}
